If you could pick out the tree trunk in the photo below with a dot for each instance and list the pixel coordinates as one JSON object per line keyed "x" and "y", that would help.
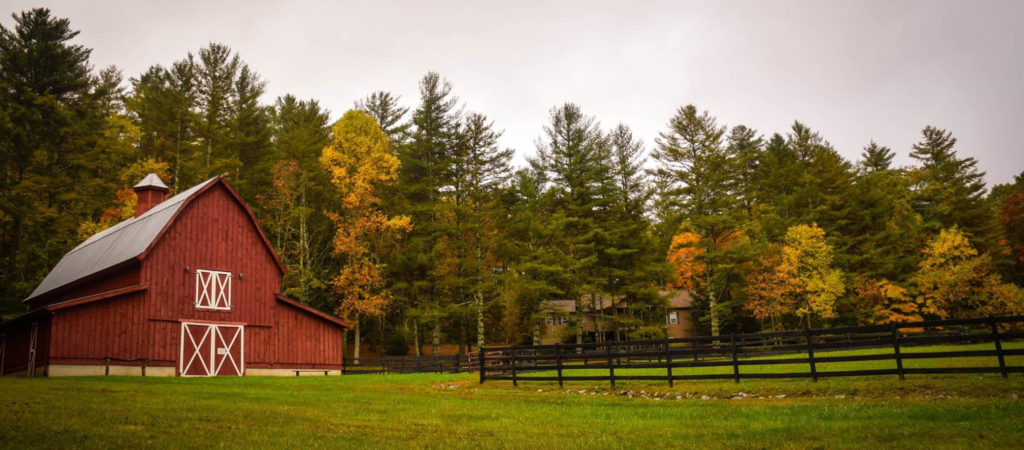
{"x": 436, "y": 342}
{"x": 713, "y": 306}
{"x": 355, "y": 351}
{"x": 536, "y": 332}
{"x": 416, "y": 337}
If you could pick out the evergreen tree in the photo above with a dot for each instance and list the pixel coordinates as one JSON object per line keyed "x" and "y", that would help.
{"x": 703, "y": 173}
{"x": 425, "y": 177}
{"x": 52, "y": 115}
{"x": 950, "y": 191}
{"x": 384, "y": 108}
{"x": 483, "y": 169}
{"x": 875, "y": 158}
{"x": 573, "y": 156}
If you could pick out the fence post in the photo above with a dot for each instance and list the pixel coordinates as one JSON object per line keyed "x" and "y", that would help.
{"x": 668, "y": 360}
{"x": 735, "y": 360}
{"x": 558, "y": 362}
{"x": 611, "y": 365}
{"x": 810, "y": 355}
{"x": 515, "y": 381}
{"x": 480, "y": 363}
{"x": 343, "y": 364}
{"x": 107, "y": 372}
{"x": 896, "y": 349}
{"x": 694, "y": 351}
{"x": 999, "y": 346}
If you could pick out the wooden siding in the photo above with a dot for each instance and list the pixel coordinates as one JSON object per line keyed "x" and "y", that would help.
{"x": 300, "y": 338}
{"x": 93, "y": 331}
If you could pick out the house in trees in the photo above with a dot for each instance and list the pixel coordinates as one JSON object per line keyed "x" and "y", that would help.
{"x": 190, "y": 283}
{"x": 559, "y": 313}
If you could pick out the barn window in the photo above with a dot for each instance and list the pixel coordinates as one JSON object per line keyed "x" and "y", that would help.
{"x": 213, "y": 289}
{"x": 563, "y": 320}
{"x": 549, "y": 320}
{"x": 673, "y": 318}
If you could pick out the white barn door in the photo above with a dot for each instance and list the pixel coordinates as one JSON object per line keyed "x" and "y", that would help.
{"x": 211, "y": 349}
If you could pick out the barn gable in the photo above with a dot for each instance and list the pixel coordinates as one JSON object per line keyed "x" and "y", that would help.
{"x": 130, "y": 241}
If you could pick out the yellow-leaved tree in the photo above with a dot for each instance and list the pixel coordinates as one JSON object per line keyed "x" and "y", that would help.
{"x": 954, "y": 281}
{"x": 361, "y": 164}
{"x": 796, "y": 279}
{"x": 811, "y": 259}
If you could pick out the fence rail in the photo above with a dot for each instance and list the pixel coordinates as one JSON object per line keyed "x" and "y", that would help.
{"x": 405, "y": 364}
{"x": 809, "y": 347}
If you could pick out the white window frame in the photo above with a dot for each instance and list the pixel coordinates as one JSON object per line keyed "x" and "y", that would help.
{"x": 210, "y": 289}
{"x": 673, "y": 318}
{"x": 549, "y": 320}
{"x": 208, "y": 343}
{"x": 563, "y": 320}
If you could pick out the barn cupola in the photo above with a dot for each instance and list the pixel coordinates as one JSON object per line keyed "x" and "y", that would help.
{"x": 150, "y": 191}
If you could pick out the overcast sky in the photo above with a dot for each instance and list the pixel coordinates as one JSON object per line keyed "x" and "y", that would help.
{"x": 854, "y": 71}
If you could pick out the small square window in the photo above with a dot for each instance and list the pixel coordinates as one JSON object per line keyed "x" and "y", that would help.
{"x": 673, "y": 318}
{"x": 549, "y": 320}
{"x": 213, "y": 289}
{"x": 563, "y": 320}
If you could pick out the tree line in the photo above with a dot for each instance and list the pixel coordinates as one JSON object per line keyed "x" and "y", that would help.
{"x": 410, "y": 219}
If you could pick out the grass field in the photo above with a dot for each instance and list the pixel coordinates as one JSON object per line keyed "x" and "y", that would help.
{"x": 453, "y": 411}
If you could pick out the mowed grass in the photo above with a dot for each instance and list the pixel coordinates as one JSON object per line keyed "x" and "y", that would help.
{"x": 454, "y": 411}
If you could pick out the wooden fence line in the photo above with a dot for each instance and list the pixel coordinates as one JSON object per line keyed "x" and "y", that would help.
{"x": 511, "y": 363}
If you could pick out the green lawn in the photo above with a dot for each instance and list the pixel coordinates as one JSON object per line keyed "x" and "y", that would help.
{"x": 908, "y": 363}
{"x": 453, "y": 411}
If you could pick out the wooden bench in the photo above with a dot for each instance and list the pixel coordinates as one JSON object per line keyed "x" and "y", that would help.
{"x": 297, "y": 371}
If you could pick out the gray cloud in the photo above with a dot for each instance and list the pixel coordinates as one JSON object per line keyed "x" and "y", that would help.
{"x": 853, "y": 71}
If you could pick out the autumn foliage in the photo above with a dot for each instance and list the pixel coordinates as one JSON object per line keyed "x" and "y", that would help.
{"x": 360, "y": 164}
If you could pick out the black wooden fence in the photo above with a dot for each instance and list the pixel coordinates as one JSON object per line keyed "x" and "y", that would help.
{"x": 747, "y": 350}
{"x": 405, "y": 364}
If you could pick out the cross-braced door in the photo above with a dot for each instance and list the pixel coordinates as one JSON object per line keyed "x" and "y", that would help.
{"x": 213, "y": 289}
{"x": 33, "y": 341}
{"x": 211, "y": 349}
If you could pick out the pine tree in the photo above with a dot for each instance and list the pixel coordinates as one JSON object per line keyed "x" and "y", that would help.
{"x": 875, "y": 158}
{"x": 573, "y": 156}
{"x": 52, "y": 114}
{"x": 384, "y": 108}
{"x": 950, "y": 191}
{"x": 703, "y": 172}
{"x": 425, "y": 177}
{"x": 483, "y": 169}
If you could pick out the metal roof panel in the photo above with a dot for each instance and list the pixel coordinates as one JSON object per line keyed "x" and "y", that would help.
{"x": 115, "y": 245}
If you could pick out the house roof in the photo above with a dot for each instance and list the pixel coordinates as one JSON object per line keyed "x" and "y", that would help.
{"x": 311, "y": 310}
{"x": 676, "y": 299}
{"x": 128, "y": 240}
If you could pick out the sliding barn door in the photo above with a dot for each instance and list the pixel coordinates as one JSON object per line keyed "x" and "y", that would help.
{"x": 211, "y": 349}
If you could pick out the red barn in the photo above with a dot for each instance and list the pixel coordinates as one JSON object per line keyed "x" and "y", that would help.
{"x": 190, "y": 283}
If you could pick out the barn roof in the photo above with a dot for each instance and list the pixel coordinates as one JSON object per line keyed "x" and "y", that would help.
{"x": 115, "y": 245}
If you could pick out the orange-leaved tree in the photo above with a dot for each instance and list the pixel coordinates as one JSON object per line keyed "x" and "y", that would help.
{"x": 124, "y": 205}
{"x": 882, "y": 301}
{"x": 772, "y": 287}
{"x": 361, "y": 164}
